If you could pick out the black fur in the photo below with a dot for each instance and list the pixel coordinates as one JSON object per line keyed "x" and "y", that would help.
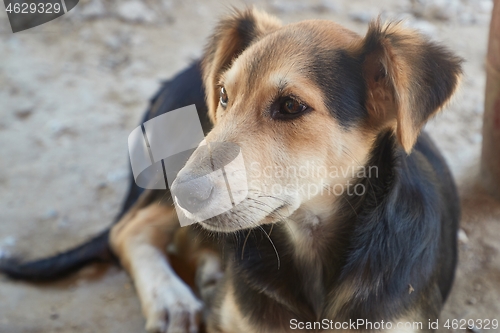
{"x": 96, "y": 249}
{"x": 339, "y": 75}
{"x": 402, "y": 225}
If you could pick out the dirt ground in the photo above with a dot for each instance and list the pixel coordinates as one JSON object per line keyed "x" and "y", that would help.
{"x": 73, "y": 89}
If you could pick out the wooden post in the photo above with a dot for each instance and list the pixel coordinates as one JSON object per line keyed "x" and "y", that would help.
{"x": 490, "y": 155}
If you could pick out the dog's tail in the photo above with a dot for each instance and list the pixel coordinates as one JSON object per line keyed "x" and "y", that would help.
{"x": 59, "y": 265}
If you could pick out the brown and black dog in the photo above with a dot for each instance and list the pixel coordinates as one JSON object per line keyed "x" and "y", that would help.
{"x": 305, "y": 94}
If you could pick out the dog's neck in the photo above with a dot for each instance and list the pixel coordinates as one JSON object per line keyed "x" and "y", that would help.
{"x": 310, "y": 246}
{"x": 310, "y": 233}
{"x": 309, "y": 223}
{"x": 297, "y": 265}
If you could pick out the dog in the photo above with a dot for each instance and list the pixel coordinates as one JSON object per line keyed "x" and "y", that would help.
{"x": 310, "y": 94}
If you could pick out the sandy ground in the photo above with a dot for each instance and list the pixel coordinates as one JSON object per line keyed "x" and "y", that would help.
{"x": 73, "y": 89}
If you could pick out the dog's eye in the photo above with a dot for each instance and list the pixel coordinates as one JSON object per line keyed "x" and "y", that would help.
{"x": 289, "y": 108}
{"x": 223, "y": 97}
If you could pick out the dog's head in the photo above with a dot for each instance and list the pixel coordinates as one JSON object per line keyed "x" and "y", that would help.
{"x": 304, "y": 103}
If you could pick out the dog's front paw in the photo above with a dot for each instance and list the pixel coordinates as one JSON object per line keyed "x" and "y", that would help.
{"x": 173, "y": 309}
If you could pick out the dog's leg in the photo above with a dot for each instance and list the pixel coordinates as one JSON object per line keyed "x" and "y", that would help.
{"x": 208, "y": 274}
{"x": 201, "y": 257}
{"x": 140, "y": 241}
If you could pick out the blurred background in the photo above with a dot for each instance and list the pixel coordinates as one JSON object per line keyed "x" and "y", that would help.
{"x": 73, "y": 89}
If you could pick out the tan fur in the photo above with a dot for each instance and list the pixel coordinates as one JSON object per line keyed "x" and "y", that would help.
{"x": 226, "y": 44}
{"x": 231, "y": 319}
{"x": 140, "y": 240}
{"x": 390, "y": 73}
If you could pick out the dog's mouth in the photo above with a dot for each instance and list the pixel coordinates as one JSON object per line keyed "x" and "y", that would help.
{"x": 275, "y": 211}
{"x": 244, "y": 216}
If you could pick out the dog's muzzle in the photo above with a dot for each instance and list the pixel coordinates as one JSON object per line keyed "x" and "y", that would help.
{"x": 212, "y": 182}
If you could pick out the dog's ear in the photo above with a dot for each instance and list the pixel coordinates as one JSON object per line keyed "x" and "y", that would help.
{"x": 408, "y": 78}
{"x": 231, "y": 37}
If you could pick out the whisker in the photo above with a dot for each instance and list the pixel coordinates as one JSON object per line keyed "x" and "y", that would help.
{"x": 271, "y": 231}
{"x": 245, "y": 243}
{"x": 274, "y": 247}
{"x": 281, "y": 217}
{"x": 269, "y": 238}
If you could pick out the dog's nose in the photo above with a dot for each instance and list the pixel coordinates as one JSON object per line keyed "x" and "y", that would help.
{"x": 192, "y": 194}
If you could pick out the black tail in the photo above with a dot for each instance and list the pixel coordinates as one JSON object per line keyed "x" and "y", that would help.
{"x": 97, "y": 249}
